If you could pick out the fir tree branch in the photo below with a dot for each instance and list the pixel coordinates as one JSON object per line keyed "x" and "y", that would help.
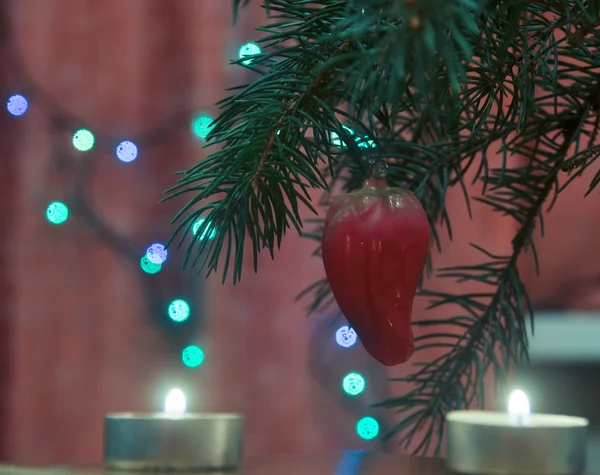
{"x": 331, "y": 56}
{"x": 237, "y": 4}
{"x": 490, "y": 325}
{"x": 430, "y": 85}
{"x": 257, "y": 183}
{"x": 455, "y": 380}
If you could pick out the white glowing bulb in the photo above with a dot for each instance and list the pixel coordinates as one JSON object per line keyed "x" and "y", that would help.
{"x": 175, "y": 403}
{"x": 518, "y": 407}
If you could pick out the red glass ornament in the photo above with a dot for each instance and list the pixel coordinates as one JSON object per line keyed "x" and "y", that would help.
{"x": 375, "y": 245}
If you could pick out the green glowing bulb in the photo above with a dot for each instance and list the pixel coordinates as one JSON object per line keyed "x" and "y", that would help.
{"x": 83, "y": 140}
{"x": 192, "y": 356}
{"x": 149, "y": 267}
{"x": 248, "y": 50}
{"x": 57, "y": 212}
{"x": 365, "y": 143}
{"x": 201, "y": 126}
{"x": 362, "y": 142}
{"x": 353, "y": 384}
{"x": 337, "y": 141}
{"x": 209, "y": 231}
{"x": 179, "y": 310}
{"x": 367, "y": 428}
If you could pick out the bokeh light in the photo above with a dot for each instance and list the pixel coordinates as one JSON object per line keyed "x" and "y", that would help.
{"x": 346, "y": 336}
{"x": 353, "y": 384}
{"x": 149, "y": 267}
{"x": 367, "y": 428}
{"x": 209, "y": 231}
{"x": 192, "y": 356}
{"x": 17, "y": 105}
{"x": 127, "y": 151}
{"x": 83, "y": 140}
{"x": 247, "y": 50}
{"x": 337, "y": 141}
{"x": 57, "y": 212}
{"x": 179, "y": 310}
{"x": 365, "y": 143}
{"x": 361, "y": 142}
{"x": 157, "y": 253}
{"x": 201, "y": 126}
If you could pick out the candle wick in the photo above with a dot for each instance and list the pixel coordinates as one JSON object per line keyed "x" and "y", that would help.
{"x": 520, "y": 419}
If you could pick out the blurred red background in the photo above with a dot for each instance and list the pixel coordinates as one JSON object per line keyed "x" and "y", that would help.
{"x": 75, "y": 342}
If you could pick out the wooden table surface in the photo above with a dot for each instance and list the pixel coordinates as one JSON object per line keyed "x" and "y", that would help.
{"x": 343, "y": 463}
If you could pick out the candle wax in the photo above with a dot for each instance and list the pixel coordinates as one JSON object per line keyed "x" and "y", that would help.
{"x": 171, "y": 415}
{"x": 502, "y": 419}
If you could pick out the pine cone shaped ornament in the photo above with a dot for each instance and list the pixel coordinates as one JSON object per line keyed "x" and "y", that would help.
{"x": 375, "y": 245}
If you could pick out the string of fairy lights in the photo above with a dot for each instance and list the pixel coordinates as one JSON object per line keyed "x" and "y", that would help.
{"x": 153, "y": 258}
{"x": 84, "y": 140}
{"x": 151, "y": 262}
{"x": 354, "y": 383}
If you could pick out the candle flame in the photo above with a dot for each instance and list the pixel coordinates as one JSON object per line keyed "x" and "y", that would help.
{"x": 175, "y": 403}
{"x": 518, "y": 403}
{"x": 518, "y": 407}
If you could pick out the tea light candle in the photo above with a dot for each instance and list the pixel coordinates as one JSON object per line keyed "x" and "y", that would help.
{"x": 173, "y": 440}
{"x": 515, "y": 442}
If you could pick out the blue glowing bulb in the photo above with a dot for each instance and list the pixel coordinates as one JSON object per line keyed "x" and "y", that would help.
{"x": 346, "y": 336}
{"x": 157, "y": 254}
{"x": 247, "y": 50}
{"x": 127, "y": 151}
{"x": 17, "y": 105}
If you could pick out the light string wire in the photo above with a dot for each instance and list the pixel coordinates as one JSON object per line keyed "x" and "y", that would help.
{"x": 350, "y": 376}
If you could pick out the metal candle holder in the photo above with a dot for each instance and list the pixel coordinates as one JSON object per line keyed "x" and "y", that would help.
{"x": 163, "y": 442}
{"x": 492, "y": 443}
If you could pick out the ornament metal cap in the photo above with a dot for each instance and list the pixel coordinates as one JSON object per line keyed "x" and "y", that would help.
{"x": 379, "y": 168}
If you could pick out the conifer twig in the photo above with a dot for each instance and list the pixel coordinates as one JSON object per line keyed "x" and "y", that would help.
{"x": 431, "y": 96}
